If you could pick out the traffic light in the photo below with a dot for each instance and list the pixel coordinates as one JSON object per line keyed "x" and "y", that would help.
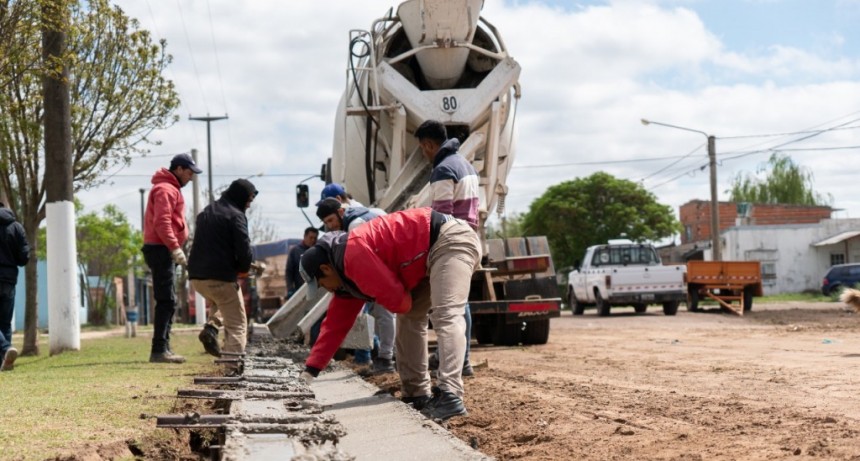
{"x": 302, "y": 196}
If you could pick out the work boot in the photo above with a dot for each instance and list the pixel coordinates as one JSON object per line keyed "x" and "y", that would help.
{"x": 209, "y": 337}
{"x": 417, "y": 403}
{"x": 443, "y": 406}
{"x": 382, "y": 366}
{"x": 9, "y": 359}
{"x": 467, "y": 370}
{"x": 164, "y": 357}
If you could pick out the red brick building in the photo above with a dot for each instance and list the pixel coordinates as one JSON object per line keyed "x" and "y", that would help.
{"x": 695, "y": 216}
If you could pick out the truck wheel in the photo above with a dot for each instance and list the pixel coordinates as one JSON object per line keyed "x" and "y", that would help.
{"x": 602, "y": 304}
{"x": 575, "y": 306}
{"x": 670, "y": 307}
{"x": 640, "y": 308}
{"x": 537, "y": 332}
{"x": 748, "y": 298}
{"x": 507, "y": 334}
{"x": 693, "y": 299}
{"x": 483, "y": 333}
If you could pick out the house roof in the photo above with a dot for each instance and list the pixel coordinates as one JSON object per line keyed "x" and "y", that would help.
{"x": 836, "y": 238}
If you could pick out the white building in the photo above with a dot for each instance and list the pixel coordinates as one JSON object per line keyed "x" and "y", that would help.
{"x": 794, "y": 257}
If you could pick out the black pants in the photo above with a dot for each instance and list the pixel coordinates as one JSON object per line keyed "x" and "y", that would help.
{"x": 158, "y": 259}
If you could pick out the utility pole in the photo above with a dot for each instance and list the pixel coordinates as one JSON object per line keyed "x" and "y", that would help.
{"x": 209, "y": 119}
{"x": 716, "y": 250}
{"x": 199, "y": 301}
{"x": 63, "y": 301}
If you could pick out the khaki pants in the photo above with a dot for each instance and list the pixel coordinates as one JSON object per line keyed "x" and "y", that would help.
{"x": 228, "y": 306}
{"x": 441, "y": 298}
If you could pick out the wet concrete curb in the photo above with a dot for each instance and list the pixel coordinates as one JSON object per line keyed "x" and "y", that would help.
{"x": 380, "y": 427}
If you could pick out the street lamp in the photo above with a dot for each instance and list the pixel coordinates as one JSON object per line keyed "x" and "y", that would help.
{"x": 209, "y": 119}
{"x": 712, "y": 161}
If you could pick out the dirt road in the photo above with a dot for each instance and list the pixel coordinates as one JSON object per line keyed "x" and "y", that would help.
{"x": 781, "y": 382}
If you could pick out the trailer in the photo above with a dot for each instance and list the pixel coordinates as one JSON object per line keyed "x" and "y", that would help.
{"x": 732, "y": 284}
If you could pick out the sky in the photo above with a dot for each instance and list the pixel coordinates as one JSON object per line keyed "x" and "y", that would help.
{"x": 759, "y": 75}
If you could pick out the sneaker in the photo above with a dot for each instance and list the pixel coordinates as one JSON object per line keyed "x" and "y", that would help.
{"x": 443, "y": 406}
{"x": 433, "y": 362}
{"x": 382, "y": 366}
{"x": 468, "y": 370}
{"x": 417, "y": 403}
{"x": 164, "y": 357}
{"x": 9, "y": 359}
{"x": 209, "y": 337}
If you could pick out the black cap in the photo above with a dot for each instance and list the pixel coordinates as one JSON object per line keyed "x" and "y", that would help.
{"x": 186, "y": 161}
{"x": 327, "y": 206}
{"x": 309, "y": 268}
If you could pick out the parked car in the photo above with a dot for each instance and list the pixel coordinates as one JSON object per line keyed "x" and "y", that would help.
{"x": 839, "y": 276}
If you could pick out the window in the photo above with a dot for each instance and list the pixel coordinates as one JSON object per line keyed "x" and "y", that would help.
{"x": 768, "y": 271}
{"x": 623, "y": 255}
{"x": 688, "y": 233}
{"x": 838, "y": 258}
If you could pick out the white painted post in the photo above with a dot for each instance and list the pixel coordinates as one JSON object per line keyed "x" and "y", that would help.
{"x": 63, "y": 303}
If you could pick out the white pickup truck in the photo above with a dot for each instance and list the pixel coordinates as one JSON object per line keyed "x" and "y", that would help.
{"x": 624, "y": 273}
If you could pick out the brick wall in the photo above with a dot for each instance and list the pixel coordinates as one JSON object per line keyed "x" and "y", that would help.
{"x": 695, "y": 216}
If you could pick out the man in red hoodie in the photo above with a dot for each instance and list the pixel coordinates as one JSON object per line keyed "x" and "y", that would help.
{"x": 382, "y": 261}
{"x": 164, "y": 233}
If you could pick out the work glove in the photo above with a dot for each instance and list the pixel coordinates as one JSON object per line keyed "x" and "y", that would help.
{"x": 179, "y": 257}
{"x": 306, "y": 378}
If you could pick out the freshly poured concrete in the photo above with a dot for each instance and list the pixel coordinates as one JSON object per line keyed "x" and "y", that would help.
{"x": 380, "y": 427}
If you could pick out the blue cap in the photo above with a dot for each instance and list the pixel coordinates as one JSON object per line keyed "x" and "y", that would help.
{"x": 332, "y": 190}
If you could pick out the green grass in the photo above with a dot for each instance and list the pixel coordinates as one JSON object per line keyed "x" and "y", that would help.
{"x": 804, "y": 297}
{"x": 52, "y": 404}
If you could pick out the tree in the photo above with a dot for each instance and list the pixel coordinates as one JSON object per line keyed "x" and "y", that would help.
{"x": 107, "y": 244}
{"x": 783, "y": 182}
{"x": 586, "y": 211}
{"x": 118, "y": 97}
{"x": 507, "y": 227}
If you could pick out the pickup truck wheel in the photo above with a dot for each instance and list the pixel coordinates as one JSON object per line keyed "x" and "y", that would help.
{"x": 536, "y": 332}
{"x": 670, "y": 307}
{"x": 602, "y": 305}
{"x": 693, "y": 299}
{"x": 575, "y": 306}
{"x": 640, "y": 308}
{"x": 748, "y": 298}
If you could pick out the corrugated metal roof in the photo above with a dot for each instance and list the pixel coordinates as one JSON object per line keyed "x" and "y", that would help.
{"x": 837, "y": 238}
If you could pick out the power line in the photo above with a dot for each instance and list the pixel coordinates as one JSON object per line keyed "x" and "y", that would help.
{"x": 673, "y": 163}
{"x": 191, "y": 52}
{"x": 605, "y": 162}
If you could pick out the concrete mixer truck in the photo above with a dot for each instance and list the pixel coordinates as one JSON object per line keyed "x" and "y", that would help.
{"x": 439, "y": 59}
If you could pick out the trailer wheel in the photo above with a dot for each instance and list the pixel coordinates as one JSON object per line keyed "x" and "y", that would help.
{"x": 670, "y": 307}
{"x": 748, "y": 297}
{"x": 507, "y": 334}
{"x": 602, "y": 304}
{"x": 640, "y": 308}
{"x": 693, "y": 299}
{"x": 575, "y": 306}
{"x": 536, "y": 332}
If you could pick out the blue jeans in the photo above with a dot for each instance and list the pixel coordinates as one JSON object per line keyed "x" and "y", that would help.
{"x": 468, "y": 317}
{"x": 7, "y": 308}
{"x": 158, "y": 259}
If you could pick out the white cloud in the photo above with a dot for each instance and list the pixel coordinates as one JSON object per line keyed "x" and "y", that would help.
{"x": 589, "y": 75}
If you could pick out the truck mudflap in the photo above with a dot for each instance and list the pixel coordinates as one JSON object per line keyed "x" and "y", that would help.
{"x": 518, "y": 310}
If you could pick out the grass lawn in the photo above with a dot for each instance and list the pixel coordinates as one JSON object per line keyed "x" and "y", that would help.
{"x": 53, "y": 405}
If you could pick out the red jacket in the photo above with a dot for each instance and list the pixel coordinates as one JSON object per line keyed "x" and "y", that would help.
{"x": 164, "y": 221}
{"x": 385, "y": 258}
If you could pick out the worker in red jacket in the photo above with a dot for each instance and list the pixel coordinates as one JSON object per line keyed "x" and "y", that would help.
{"x": 388, "y": 260}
